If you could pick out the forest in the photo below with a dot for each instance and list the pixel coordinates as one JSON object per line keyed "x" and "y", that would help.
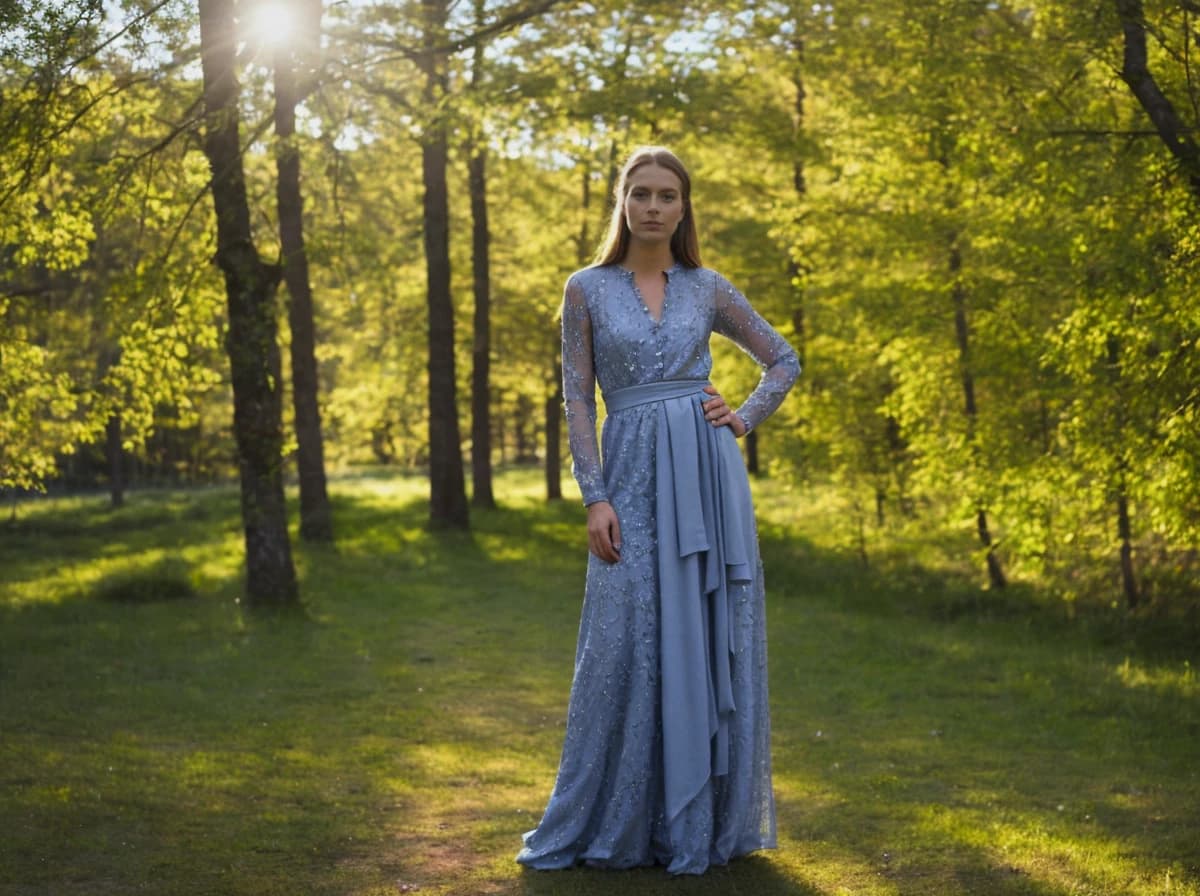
{"x": 291, "y": 556}
{"x": 276, "y": 242}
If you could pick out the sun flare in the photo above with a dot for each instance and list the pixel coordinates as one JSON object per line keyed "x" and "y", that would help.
{"x": 272, "y": 23}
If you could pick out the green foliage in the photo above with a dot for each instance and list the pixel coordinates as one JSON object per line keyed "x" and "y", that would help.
{"x": 36, "y": 407}
{"x": 862, "y": 171}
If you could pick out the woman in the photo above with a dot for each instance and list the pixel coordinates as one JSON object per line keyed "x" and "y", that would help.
{"x": 667, "y": 753}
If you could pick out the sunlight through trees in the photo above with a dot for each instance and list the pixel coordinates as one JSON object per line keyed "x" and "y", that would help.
{"x": 977, "y": 221}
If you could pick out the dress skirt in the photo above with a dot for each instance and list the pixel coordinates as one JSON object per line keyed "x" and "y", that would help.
{"x": 666, "y": 758}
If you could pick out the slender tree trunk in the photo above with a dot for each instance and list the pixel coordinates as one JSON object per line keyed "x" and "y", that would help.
{"x": 963, "y": 333}
{"x": 800, "y": 186}
{"x": 316, "y": 519}
{"x": 751, "y": 443}
{"x": 481, "y": 406}
{"x": 1129, "y": 583}
{"x": 502, "y": 433}
{"x": 583, "y": 242}
{"x": 481, "y": 391}
{"x": 251, "y": 339}
{"x": 481, "y": 394}
{"x": 554, "y": 410}
{"x": 115, "y": 455}
{"x": 611, "y": 182}
{"x": 526, "y": 431}
{"x": 448, "y": 495}
{"x": 620, "y": 71}
{"x": 799, "y": 275}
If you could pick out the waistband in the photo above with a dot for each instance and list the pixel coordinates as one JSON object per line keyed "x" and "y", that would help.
{"x": 648, "y": 393}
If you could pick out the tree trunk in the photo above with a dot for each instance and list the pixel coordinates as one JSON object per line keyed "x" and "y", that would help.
{"x": 502, "y": 433}
{"x": 1129, "y": 584}
{"x": 447, "y": 495}
{"x": 1128, "y": 580}
{"x": 251, "y": 339}
{"x": 115, "y": 456}
{"x": 481, "y": 416}
{"x": 799, "y": 275}
{"x": 316, "y": 521}
{"x": 482, "y": 494}
{"x": 800, "y": 186}
{"x": 1135, "y": 72}
{"x": 553, "y": 465}
{"x": 963, "y": 334}
{"x": 526, "y": 434}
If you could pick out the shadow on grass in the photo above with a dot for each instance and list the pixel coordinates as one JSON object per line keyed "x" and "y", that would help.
{"x": 946, "y": 721}
{"x": 927, "y": 739}
{"x": 85, "y": 547}
{"x": 754, "y": 875}
{"x": 895, "y": 584}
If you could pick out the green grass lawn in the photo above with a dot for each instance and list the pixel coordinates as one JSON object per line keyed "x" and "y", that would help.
{"x": 929, "y": 738}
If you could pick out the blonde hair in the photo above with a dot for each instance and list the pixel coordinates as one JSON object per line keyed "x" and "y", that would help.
{"x": 685, "y": 246}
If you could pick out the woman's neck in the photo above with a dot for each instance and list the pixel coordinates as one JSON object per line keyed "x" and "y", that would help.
{"x": 648, "y": 259}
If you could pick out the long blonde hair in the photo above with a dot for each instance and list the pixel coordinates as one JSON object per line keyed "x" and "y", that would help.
{"x": 685, "y": 246}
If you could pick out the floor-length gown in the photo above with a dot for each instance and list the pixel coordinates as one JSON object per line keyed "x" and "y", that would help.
{"x": 666, "y": 757}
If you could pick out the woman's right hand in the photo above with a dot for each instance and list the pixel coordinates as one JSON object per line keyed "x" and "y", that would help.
{"x": 604, "y": 532}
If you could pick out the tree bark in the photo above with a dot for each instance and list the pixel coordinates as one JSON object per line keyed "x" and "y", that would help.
{"x": 798, "y": 274}
{"x": 481, "y": 408}
{"x": 316, "y": 519}
{"x": 115, "y": 455}
{"x": 448, "y": 496}
{"x": 481, "y": 401}
{"x": 553, "y": 464}
{"x": 751, "y": 442}
{"x": 1135, "y": 72}
{"x": 1129, "y": 583}
{"x": 963, "y": 334}
{"x": 482, "y": 494}
{"x": 799, "y": 185}
{"x": 251, "y": 339}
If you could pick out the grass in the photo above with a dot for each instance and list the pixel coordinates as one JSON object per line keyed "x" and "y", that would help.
{"x": 929, "y": 738}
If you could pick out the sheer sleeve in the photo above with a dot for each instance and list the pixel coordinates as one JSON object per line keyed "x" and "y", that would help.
{"x": 736, "y": 320}
{"x": 579, "y": 394}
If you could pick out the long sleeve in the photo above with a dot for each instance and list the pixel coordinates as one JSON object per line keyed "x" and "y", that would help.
{"x": 579, "y": 394}
{"x": 736, "y": 320}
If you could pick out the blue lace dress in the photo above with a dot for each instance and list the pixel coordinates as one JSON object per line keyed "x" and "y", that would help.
{"x": 667, "y": 752}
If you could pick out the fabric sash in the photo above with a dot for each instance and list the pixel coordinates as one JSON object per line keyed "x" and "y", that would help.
{"x": 705, "y": 544}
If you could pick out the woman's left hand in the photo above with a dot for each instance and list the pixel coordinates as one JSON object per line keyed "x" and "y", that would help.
{"x": 718, "y": 413}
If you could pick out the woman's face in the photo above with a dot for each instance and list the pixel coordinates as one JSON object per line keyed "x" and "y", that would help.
{"x": 653, "y": 204}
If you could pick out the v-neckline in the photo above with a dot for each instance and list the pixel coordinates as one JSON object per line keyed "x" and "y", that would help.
{"x": 656, "y": 322}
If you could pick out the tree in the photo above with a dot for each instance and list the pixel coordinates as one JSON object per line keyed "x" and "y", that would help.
{"x": 1135, "y": 72}
{"x": 251, "y": 341}
{"x": 481, "y": 403}
{"x": 107, "y": 332}
{"x": 447, "y": 496}
{"x": 316, "y": 522}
